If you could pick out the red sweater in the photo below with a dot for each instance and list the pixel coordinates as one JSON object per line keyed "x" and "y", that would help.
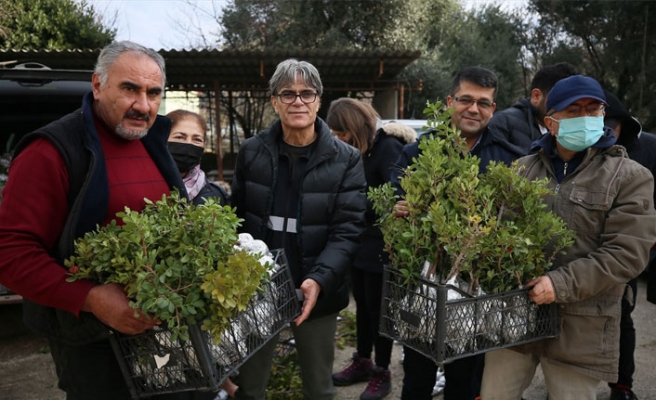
{"x": 34, "y": 209}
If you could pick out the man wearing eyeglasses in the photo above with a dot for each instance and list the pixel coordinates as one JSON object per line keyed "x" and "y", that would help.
{"x": 472, "y": 96}
{"x": 607, "y": 199}
{"x": 299, "y": 188}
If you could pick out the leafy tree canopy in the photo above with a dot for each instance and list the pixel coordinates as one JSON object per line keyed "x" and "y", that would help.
{"x": 487, "y": 37}
{"x": 52, "y": 25}
{"x": 615, "y": 42}
{"x": 356, "y": 24}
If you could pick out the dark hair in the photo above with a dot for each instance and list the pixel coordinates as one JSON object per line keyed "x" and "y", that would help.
{"x": 179, "y": 115}
{"x": 546, "y": 77}
{"x": 478, "y": 76}
{"x": 354, "y": 117}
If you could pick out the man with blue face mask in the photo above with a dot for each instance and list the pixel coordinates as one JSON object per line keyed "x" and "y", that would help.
{"x": 607, "y": 199}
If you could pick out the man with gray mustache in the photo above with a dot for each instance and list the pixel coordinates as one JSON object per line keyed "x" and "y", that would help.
{"x": 65, "y": 179}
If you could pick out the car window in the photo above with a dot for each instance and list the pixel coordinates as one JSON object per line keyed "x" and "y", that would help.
{"x": 31, "y": 97}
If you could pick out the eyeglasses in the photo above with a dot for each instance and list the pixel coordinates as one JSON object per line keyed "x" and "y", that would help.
{"x": 592, "y": 110}
{"x": 468, "y": 101}
{"x": 306, "y": 96}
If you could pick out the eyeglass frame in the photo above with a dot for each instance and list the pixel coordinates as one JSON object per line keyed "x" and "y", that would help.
{"x": 297, "y": 96}
{"x": 482, "y": 104}
{"x": 599, "y": 112}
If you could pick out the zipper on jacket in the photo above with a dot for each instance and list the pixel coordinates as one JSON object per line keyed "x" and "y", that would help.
{"x": 564, "y": 175}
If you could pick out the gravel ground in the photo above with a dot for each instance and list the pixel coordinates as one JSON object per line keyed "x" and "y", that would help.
{"x": 27, "y": 372}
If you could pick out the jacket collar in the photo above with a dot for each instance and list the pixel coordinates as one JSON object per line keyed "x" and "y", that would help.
{"x": 325, "y": 148}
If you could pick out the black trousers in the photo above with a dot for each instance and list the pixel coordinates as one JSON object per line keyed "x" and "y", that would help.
{"x": 367, "y": 291}
{"x": 463, "y": 377}
{"x": 651, "y": 281}
{"x": 91, "y": 372}
{"x": 627, "y": 340}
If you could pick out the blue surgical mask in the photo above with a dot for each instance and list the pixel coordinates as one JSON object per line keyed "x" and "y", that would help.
{"x": 577, "y": 134}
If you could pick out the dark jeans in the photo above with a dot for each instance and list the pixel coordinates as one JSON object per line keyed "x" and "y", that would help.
{"x": 367, "y": 292}
{"x": 651, "y": 281}
{"x": 91, "y": 372}
{"x": 463, "y": 377}
{"x": 627, "y": 340}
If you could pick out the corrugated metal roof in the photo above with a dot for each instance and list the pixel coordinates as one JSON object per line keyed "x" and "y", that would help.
{"x": 244, "y": 69}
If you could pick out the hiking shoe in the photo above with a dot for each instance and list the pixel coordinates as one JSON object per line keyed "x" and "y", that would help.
{"x": 623, "y": 394}
{"x": 359, "y": 371}
{"x": 379, "y": 386}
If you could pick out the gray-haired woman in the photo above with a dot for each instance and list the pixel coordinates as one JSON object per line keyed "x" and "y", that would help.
{"x": 299, "y": 188}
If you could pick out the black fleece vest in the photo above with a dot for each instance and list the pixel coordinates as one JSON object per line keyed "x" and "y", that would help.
{"x": 75, "y": 139}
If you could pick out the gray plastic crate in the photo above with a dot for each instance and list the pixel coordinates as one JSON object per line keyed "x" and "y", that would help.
{"x": 419, "y": 316}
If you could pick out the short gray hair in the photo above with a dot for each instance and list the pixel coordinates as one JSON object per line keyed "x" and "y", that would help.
{"x": 112, "y": 51}
{"x": 287, "y": 72}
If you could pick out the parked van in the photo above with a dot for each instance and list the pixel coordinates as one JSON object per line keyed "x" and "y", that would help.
{"x": 31, "y": 96}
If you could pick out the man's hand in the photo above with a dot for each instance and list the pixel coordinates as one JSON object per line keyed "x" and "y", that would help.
{"x": 311, "y": 290}
{"x": 111, "y": 306}
{"x": 400, "y": 209}
{"x": 543, "y": 290}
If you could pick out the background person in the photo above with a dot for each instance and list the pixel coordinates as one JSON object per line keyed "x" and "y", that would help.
{"x": 186, "y": 144}
{"x": 607, "y": 200}
{"x": 355, "y": 122}
{"x": 641, "y": 147}
{"x": 299, "y": 188}
{"x": 472, "y": 96}
{"x": 65, "y": 179}
{"x": 523, "y": 122}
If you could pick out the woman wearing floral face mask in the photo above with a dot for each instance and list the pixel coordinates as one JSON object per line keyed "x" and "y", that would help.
{"x": 186, "y": 144}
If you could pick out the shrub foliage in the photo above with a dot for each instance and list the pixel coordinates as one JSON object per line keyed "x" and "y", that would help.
{"x": 492, "y": 229}
{"x": 176, "y": 261}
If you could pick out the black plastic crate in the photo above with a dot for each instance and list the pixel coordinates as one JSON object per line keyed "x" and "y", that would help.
{"x": 154, "y": 364}
{"x": 420, "y": 316}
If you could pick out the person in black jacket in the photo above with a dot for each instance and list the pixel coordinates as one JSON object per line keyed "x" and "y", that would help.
{"x": 300, "y": 189}
{"x": 187, "y": 144}
{"x": 523, "y": 122}
{"x": 354, "y": 122}
{"x": 472, "y": 96}
{"x": 641, "y": 147}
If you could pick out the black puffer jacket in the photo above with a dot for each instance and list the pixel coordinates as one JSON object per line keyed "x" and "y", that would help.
{"x": 643, "y": 150}
{"x": 489, "y": 148}
{"x": 211, "y": 189}
{"x": 330, "y": 208}
{"x": 517, "y": 124}
{"x": 378, "y": 164}
{"x": 640, "y": 145}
